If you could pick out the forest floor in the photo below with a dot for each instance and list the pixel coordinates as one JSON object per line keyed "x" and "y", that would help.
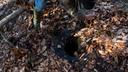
{"x": 103, "y": 39}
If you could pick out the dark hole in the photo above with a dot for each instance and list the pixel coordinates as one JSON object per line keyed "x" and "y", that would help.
{"x": 1, "y": 37}
{"x": 88, "y": 4}
{"x": 13, "y": 40}
{"x": 71, "y": 45}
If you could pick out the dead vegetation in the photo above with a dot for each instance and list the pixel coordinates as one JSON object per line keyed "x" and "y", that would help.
{"x": 103, "y": 40}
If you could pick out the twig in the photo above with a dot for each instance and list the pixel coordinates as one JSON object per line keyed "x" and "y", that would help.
{"x": 4, "y": 39}
{"x": 11, "y": 1}
{"x": 11, "y": 16}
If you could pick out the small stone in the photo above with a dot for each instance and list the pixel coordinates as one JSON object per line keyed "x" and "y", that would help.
{"x": 58, "y": 46}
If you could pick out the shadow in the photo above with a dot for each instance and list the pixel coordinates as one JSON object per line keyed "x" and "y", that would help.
{"x": 68, "y": 43}
{"x": 61, "y": 53}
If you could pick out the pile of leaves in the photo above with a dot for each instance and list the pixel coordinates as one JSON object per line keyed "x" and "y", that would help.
{"x": 103, "y": 40}
{"x": 105, "y": 37}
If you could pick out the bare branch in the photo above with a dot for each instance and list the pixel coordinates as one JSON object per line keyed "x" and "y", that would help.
{"x": 11, "y": 16}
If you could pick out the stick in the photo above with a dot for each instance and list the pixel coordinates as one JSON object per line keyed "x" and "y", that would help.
{"x": 11, "y": 16}
{"x": 5, "y": 40}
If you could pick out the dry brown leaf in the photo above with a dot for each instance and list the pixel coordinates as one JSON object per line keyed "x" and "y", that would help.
{"x": 19, "y": 52}
{"x": 89, "y": 32}
{"x": 120, "y": 44}
{"x": 115, "y": 18}
{"x": 90, "y": 49}
{"x": 103, "y": 53}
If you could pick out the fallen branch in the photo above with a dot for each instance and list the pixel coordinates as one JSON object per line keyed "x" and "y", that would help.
{"x": 6, "y": 40}
{"x": 11, "y": 16}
